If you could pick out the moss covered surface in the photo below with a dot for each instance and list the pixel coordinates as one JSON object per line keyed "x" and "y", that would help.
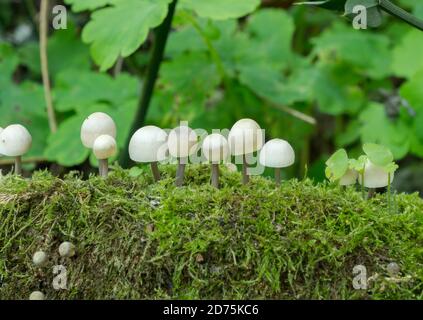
{"x": 137, "y": 239}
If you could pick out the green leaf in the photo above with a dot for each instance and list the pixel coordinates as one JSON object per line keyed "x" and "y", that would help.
{"x": 76, "y": 90}
{"x": 373, "y": 11}
{"x": 65, "y": 51}
{"x": 220, "y": 9}
{"x": 120, "y": 29}
{"x": 376, "y": 127}
{"x": 407, "y": 54}
{"x": 358, "y": 164}
{"x": 82, "y": 5}
{"x": 337, "y": 5}
{"x": 378, "y": 154}
{"x": 337, "y": 165}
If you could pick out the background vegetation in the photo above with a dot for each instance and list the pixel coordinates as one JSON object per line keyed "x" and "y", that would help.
{"x": 303, "y": 73}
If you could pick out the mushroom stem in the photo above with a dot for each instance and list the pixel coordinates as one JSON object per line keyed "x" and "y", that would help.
{"x": 215, "y": 175}
{"x": 180, "y": 173}
{"x": 103, "y": 167}
{"x": 155, "y": 171}
{"x": 371, "y": 193}
{"x": 278, "y": 176}
{"x": 18, "y": 165}
{"x": 245, "y": 177}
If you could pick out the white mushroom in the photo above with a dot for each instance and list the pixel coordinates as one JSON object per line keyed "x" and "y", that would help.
{"x": 245, "y": 138}
{"x": 37, "y": 295}
{"x": 15, "y": 141}
{"x": 349, "y": 178}
{"x": 277, "y": 154}
{"x": 104, "y": 147}
{"x": 148, "y": 145}
{"x": 215, "y": 149}
{"x": 375, "y": 177}
{"x": 39, "y": 258}
{"x": 182, "y": 143}
{"x": 66, "y": 249}
{"x": 95, "y": 125}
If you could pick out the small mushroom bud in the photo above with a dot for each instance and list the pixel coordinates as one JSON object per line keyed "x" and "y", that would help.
{"x": 37, "y": 295}
{"x": 104, "y": 147}
{"x": 277, "y": 153}
{"x": 393, "y": 269}
{"x": 39, "y": 258}
{"x": 245, "y": 138}
{"x": 15, "y": 141}
{"x": 349, "y": 178}
{"x": 148, "y": 145}
{"x": 215, "y": 150}
{"x": 182, "y": 143}
{"x": 375, "y": 177}
{"x": 66, "y": 249}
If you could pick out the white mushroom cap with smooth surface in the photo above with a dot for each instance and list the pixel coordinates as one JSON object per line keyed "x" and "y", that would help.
{"x": 277, "y": 153}
{"x": 104, "y": 147}
{"x": 37, "y": 295}
{"x": 66, "y": 249}
{"x": 215, "y": 148}
{"x": 15, "y": 141}
{"x": 245, "y": 137}
{"x": 148, "y": 144}
{"x": 39, "y": 258}
{"x": 182, "y": 142}
{"x": 375, "y": 176}
{"x": 95, "y": 125}
{"x": 349, "y": 178}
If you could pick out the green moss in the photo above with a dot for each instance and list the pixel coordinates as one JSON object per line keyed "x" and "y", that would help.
{"x": 137, "y": 239}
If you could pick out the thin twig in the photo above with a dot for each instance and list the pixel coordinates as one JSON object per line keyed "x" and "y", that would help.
{"x": 44, "y": 64}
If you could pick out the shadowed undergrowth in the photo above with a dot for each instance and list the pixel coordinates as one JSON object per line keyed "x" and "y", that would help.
{"x": 137, "y": 239}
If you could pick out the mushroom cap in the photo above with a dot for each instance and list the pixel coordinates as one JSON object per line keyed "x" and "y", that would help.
{"x": 39, "y": 258}
{"x": 148, "y": 144}
{"x": 15, "y": 140}
{"x": 37, "y": 295}
{"x": 104, "y": 147}
{"x": 349, "y": 178}
{"x": 215, "y": 148}
{"x": 245, "y": 137}
{"x": 375, "y": 176}
{"x": 182, "y": 142}
{"x": 66, "y": 249}
{"x": 95, "y": 125}
{"x": 277, "y": 153}
{"x": 1, "y": 129}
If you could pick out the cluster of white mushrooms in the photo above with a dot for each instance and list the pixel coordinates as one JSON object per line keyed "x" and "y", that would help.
{"x": 151, "y": 144}
{"x": 39, "y": 259}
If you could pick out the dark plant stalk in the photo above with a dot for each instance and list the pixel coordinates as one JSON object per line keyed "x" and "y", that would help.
{"x": 161, "y": 35}
{"x": 400, "y": 13}
{"x": 155, "y": 171}
{"x": 278, "y": 176}
{"x": 179, "y": 181}
{"x": 245, "y": 177}
{"x": 18, "y": 165}
{"x": 215, "y": 175}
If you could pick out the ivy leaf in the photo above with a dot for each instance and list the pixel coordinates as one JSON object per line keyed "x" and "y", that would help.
{"x": 120, "y": 29}
{"x": 407, "y": 59}
{"x": 378, "y": 154}
{"x": 221, "y": 9}
{"x": 337, "y": 165}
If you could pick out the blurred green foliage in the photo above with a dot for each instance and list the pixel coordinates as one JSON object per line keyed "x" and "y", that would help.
{"x": 271, "y": 61}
